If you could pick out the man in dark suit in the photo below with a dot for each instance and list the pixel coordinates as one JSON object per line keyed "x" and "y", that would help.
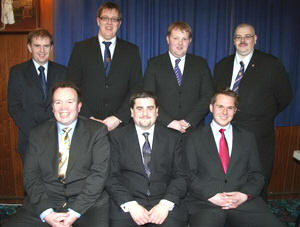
{"x": 225, "y": 172}
{"x": 29, "y": 86}
{"x": 65, "y": 168}
{"x": 264, "y": 91}
{"x": 107, "y": 69}
{"x": 181, "y": 81}
{"x": 147, "y": 179}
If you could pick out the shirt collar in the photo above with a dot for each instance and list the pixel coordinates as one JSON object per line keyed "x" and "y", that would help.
{"x": 216, "y": 127}
{"x": 37, "y": 65}
{"x": 113, "y": 40}
{"x": 60, "y": 126}
{"x": 140, "y": 131}
{"x": 173, "y": 58}
{"x": 245, "y": 60}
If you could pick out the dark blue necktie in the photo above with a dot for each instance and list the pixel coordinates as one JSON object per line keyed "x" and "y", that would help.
{"x": 238, "y": 79}
{"x": 177, "y": 71}
{"x": 43, "y": 82}
{"x": 146, "y": 154}
{"x": 107, "y": 57}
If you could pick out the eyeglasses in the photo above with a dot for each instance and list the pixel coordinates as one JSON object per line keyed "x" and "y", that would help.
{"x": 246, "y": 37}
{"x": 222, "y": 108}
{"x": 113, "y": 19}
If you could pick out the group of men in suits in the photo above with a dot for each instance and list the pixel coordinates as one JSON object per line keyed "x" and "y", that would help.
{"x": 149, "y": 160}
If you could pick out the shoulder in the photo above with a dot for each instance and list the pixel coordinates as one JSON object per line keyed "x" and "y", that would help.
{"x": 226, "y": 60}
{"x": 200, "y": 134}
{"x": 165, "y": 132}
{"x": 90, "y": 125}
{"x": 125, "y": 44}
{"x": 57, "y": 66}
{"x": 158, "y": 59}
{"x": 123, "y": 132}
{"x": 87, "y": 42}
{"x": 195, "y": 58}
{"x": 42, "y": 128}
{"x": 21, "y": 66}
{"x": 261, "y": 56}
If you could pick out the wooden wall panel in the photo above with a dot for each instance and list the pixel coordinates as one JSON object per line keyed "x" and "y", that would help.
{"x": 285, "y": 182}
{"x": 13, "y": 51}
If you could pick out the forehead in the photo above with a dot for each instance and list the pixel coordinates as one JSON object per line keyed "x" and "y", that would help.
{"x": 178, "y": 32}
{"x": 225, "y": 100}
{"x": 65, "y": 93}
{"x": 144, "y": 102}
{"x": 109, "y": 12}
{"x": 244, "y": 30}
{"x": 40, "y": 40}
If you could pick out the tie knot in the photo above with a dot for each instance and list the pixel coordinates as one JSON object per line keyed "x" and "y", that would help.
{"x": 107, "y": 44}
{"x": 41, "y": 69}
{"x": 146, "y": 134}
{"x": 222, "y": 131}
{"x": 66, "y": 130}
{"x": 242, "y": 64}
{"x": 177, "y": 61}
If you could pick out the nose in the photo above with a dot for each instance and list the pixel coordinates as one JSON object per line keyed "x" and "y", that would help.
{"x": 42, "y": 49}
{"x": 109, "y": 21}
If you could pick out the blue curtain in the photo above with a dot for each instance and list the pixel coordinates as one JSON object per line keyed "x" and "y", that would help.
{"x": 145, "y": 23}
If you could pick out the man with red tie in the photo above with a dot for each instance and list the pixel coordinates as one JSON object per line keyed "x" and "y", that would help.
{"x": 225, "y": 173}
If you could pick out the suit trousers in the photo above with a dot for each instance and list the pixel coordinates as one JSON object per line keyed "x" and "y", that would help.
{"x": 256, "y": 215}
{"x": 94, "y": 217}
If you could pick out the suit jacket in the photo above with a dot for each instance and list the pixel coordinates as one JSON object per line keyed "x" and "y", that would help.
{"x": 25, "y": 97}
{"x": 207, "y": 177}
{"x": 128, "y": 180}
{"x": 264, "y": 91}
{"x": 103, "y": 95}
{"x": 86, "y": 173}
{"x": 189, "y": 101}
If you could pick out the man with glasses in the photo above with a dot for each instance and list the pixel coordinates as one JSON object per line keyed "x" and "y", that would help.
{"x": 263, "y": 87}
{"x": 107, "y": 69}
{"x": 225, "y": 177}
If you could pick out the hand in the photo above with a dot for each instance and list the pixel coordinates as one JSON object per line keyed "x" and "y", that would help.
{"x": 111, "y": 122}
{"x": 184, "y": 124}
{"x": 139, "y": 214}
{"x": 219, "y": 199}
{"x": 96, "y": 119}
{"x": 235, "y": 199}
{"x": 55, "y": 219}
{"x": 159, "y": 213}
{"x": 177, "y": 126}
{"x": 68, "y": 221}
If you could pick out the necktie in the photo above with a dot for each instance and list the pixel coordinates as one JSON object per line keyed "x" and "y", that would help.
{"x": 224, "y": 154}
{"x": 107, "y": 57}
{"x": 177, "y": 71}
{"x": 64, "y": 148}
{"x": 238, "y": 78}
{"x": 43, "y": 80}
{"x": 147, "y": 154}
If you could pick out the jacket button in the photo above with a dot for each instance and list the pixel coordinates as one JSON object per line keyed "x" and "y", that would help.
{"x": 225, "y": 181}
{"x": 106, "y": 86}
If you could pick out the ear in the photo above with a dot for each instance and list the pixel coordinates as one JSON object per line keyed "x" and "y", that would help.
{"x": 98, "y": 21}
{"x": 168, "y": 39}
{"x": 255, "y": 38}
{"x": 79, "y": 106}
{"x": 131, "y": 112}
{"x": 29, "y": 47}
{"x": 211, "y": 108}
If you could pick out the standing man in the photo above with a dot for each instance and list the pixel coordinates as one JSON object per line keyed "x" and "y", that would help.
{"x": 181, "y": 81}
{"x": 65, "y": 168}
{"x": 107, "y": 69}
{"x": 29, "y": 86}
{"x": 263, "y": 87}
{"x": 225, "y": 172}
{"x": 147, "y": 179}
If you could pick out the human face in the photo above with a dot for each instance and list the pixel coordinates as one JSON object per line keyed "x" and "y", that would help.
{"x": 65, "y": 105}
{"x": 245, "y": 43}
{"x": 223, "y": 109}
{"x": 144, "y": 112}
{"x": 108, "y": 29}
{"x": 40, "y": 48}
{"x": 179, "y": 42}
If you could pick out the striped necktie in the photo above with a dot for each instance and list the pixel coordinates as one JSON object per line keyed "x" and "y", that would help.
{"x": 238, "y": 78}
{"x": 146, "y": 150}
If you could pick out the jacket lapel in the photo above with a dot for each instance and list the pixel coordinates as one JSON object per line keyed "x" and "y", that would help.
{"x": 170, "y": 71}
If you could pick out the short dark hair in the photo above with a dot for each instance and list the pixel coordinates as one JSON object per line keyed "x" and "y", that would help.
{"x": 43, "y": 33}
{"x": 109, "y": 5}
{"x": 67, "y": 84}
{"x": 180, "y": 25}
{"x": 227, "y": 92}
{"x": 142, "y": 94}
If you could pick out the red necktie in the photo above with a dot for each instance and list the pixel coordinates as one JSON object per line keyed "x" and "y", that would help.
{"x": 224, "y": 154}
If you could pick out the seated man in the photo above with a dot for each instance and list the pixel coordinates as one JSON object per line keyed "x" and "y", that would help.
{"x": 65, "y": 168}
{"x": 225, "y": 173}
{"x": 147, "y": 178}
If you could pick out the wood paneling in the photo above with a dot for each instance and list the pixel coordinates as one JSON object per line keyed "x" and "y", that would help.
{"x": 13, "y": 51}
{"x": 285, "y": 182}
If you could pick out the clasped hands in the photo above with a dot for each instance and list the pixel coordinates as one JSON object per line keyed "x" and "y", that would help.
{"x": 142, "y": 216}
{"x": 56, "y": 219}
{"x": 228, "y": 200}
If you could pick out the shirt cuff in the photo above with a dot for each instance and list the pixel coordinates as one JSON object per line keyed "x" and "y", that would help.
{"x": 167, "y": 203}
{"x": 125, "y": 206}
{"x": 45, "y": 213}
{"x": 76, "y": 214}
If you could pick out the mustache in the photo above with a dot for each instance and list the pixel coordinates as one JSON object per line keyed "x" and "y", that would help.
{"x": 243, "y": 43}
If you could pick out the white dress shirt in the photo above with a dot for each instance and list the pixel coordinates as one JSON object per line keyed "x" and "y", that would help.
{"x": 37, "y": 65}
{"x": 180, "y": 64}
{"x": 111, "y": 47}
